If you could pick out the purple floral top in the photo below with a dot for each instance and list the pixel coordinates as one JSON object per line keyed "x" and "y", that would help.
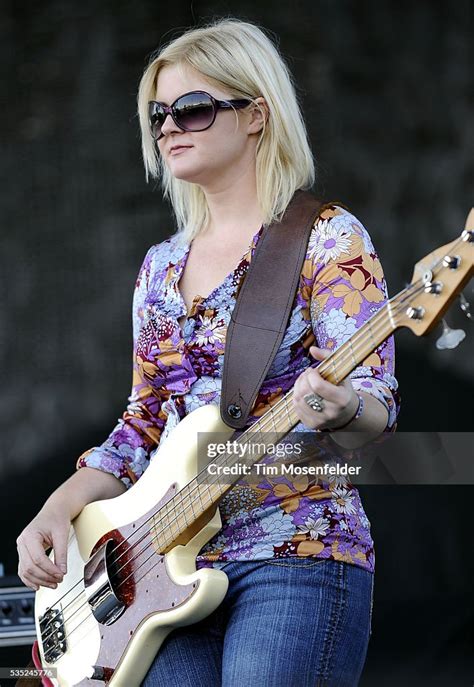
{"x": 177, "y": 370}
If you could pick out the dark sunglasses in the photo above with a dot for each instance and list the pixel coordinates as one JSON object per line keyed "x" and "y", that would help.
{"x": 193, "y": 111}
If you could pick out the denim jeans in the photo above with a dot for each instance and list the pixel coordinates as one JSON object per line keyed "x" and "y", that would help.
{"x": 294, "y": 622}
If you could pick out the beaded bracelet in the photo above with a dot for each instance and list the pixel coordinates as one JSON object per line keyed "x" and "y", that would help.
{"x": 356, "y": 415}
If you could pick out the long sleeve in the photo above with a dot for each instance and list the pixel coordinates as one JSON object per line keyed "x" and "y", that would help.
{"x": 126, "y": 452}
{"x": 349, "y": 287}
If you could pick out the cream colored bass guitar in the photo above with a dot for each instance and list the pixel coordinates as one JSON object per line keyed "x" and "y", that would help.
{"x": 132, "y": 573}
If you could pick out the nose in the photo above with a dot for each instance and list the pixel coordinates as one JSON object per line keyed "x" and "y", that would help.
{"x": 169, "y": 125}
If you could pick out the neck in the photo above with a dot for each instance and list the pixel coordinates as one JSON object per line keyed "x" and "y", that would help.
{"x": 233, "y": 208}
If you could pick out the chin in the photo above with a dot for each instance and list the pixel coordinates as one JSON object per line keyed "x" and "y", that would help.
{"x": 195, "y": 176}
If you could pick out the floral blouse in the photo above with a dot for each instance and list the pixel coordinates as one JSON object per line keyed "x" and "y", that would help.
{"x": 176, "y": 370}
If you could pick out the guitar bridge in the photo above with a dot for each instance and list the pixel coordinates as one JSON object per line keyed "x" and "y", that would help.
{"x": 53, "y": 637}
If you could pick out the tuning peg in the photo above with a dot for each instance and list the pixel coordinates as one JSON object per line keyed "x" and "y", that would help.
{"x": 450, "y": 338}
{"x": 465, "y": 306}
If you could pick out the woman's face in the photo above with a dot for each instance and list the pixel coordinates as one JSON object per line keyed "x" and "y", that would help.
{"x": 216, "y": 156}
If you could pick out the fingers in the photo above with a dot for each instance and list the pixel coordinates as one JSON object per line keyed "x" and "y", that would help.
{"x": 336, "y": 397}
{"x": 307, "y": 415}
{"x": 310, "y": 381}
{"x": 31, "y": 574}
{"x": 317, "y": 384}
{"x": 60, "y": 538}
{"x": 314, "y": 383}
{"x": 319, "y": 353}
{"x": 35, "y": 568}
{"x": 34, "y": 580}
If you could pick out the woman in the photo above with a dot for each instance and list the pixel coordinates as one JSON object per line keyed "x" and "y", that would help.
{"x": 222, "y": 129}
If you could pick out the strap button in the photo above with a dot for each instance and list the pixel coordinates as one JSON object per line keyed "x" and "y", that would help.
{"x": 234, "y": 410}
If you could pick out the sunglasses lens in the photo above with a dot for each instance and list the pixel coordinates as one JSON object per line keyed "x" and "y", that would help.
{"x": 156, "y": 116}
{"x": 194, "y": 112}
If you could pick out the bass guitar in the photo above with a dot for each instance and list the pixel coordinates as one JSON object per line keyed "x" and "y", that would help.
{"x": 132, "y": 573}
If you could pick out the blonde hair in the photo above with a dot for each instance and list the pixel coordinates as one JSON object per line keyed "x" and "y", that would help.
{"x": 239, "y": 58}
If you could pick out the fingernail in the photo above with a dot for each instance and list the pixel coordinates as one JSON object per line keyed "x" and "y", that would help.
{"x": 63, "y": 567}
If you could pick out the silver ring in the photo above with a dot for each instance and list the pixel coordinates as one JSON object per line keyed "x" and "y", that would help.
{"x": 315, "y": 402}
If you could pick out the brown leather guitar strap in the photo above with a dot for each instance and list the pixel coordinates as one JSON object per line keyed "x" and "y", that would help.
{"x": 263, "y": 307}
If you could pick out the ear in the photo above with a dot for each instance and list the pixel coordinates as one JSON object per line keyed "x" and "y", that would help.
{"x": 258, "y": 115}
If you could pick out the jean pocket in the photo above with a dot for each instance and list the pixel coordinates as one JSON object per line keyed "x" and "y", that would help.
{"x": 294, "y": 562}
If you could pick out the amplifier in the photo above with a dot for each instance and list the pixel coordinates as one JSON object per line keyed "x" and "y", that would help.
{"x": 17, "y": 623}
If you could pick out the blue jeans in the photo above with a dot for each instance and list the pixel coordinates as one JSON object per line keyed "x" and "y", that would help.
{"x": 295, "y": 622}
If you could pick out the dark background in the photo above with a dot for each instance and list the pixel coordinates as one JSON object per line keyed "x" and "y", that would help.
{"x": 387, "y": 92}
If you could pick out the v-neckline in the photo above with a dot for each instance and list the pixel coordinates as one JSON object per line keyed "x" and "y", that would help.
{"x": 198, "y": 298}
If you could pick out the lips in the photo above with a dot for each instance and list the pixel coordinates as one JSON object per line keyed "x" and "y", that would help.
{"x": 176, "y": 149}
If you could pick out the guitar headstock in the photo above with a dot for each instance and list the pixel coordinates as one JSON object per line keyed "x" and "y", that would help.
{"x": 437, "y": 279}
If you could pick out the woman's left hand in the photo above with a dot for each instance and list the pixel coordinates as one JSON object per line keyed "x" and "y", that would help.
{"x": 339, "y": 401}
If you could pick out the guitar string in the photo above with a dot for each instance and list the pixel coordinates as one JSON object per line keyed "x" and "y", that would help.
{"x": 400, "y": 304}
{"x": 275, "y": 410}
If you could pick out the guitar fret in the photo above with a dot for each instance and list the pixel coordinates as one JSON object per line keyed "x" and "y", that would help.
{"x": 336, "y": 377}
{"x": 165, "y": 515}
{"x": 287, "y": 407}
{"x": 200, "y": 499}
{"x": 160, "y": 524}
{"x": 191, "y": 503}
{"x": 182, "y": 514}
{"x": 210, "y": 493}
{"x": 352, "y": 352}
{"x": 173, "y": 524}
{"x": 369, "y": 326}
{"x": 390, "y": 315}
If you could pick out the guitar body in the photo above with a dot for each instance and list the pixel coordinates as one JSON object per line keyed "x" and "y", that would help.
{"x": 155, "y": 592}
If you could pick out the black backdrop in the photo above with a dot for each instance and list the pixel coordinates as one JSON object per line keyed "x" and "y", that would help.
{"x": 387, "y": 92}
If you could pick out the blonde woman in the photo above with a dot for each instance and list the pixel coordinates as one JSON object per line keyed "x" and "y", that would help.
{"x": 222, "y": 130}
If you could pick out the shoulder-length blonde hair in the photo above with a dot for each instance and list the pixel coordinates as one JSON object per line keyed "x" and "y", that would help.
{"x": 238, "y": 57}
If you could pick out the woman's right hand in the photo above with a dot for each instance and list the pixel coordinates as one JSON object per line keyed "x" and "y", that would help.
{"x": 50, "y": 528}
